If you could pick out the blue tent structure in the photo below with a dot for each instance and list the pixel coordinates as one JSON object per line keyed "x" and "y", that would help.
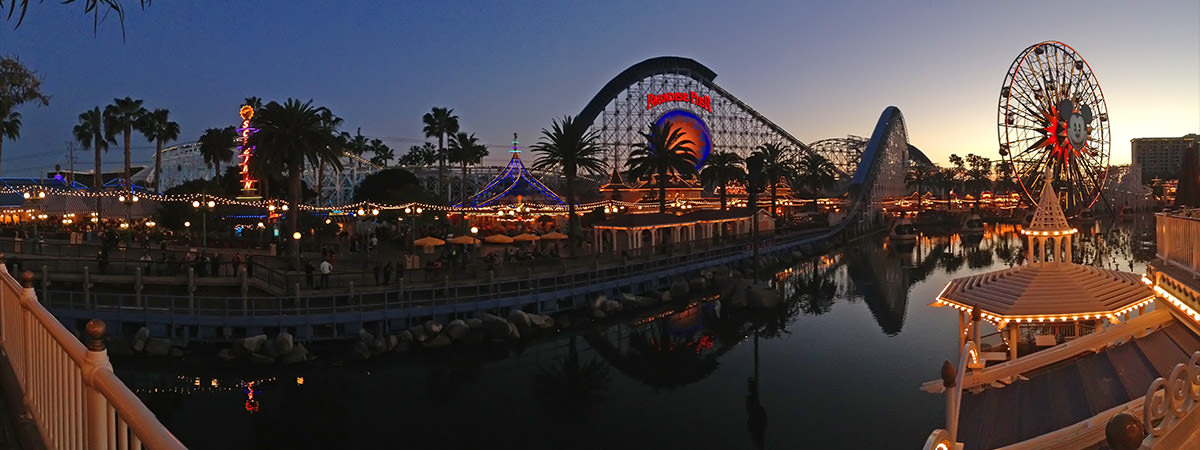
{"x": 514, "y": 185}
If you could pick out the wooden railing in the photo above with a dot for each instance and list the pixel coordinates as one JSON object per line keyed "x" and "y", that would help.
{"x": 69, "y": 389}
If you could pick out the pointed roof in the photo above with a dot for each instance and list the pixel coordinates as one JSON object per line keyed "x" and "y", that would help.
{"x": 1049, "y": 217}
{"x": 514, "y": 185}
{"x": 615, "y": 181}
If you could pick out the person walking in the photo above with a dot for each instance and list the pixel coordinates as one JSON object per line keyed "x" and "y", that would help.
{"x": 326, "y": 269}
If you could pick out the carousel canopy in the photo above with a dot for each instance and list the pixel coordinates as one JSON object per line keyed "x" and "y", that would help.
{"x": 514, "y": 185}
{"x": 1045, "y": 290}
{"x": 554, "y": 235}
{"x": 498, "y": 239}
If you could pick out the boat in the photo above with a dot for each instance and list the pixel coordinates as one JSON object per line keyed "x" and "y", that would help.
{"x": 1077, "y": 350}
{"x": 902, "y": 230}
{"x": 971, "y": 225}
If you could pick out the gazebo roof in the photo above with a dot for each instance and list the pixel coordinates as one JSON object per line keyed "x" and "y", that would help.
{"x": 1049, "y": 292}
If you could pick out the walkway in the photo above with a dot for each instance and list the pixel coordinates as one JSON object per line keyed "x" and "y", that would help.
{"x": 1072, "y": 391}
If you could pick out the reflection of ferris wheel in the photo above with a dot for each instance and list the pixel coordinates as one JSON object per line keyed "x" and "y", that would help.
{"x": 1052, "y": 113}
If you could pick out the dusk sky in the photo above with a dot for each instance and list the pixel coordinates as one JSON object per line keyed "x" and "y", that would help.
{"x": 819, "y": 71}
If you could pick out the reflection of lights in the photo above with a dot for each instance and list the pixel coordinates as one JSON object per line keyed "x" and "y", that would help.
{"x": 214, "y": 382}
{"x": 299, "y": 381}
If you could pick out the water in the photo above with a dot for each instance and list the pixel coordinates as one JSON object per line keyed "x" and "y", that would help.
{"x": 839, "y": 367}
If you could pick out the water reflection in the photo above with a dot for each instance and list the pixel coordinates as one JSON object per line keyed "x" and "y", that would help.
{"x": 622, "y": 374}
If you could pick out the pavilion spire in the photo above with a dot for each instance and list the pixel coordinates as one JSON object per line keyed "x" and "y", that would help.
{"x": 1049, "y": 216}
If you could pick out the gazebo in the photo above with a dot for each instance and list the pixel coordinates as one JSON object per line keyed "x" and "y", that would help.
{"x": 1049, "y": 297}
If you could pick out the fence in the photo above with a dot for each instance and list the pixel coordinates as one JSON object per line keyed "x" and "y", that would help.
{"x": 70, "y": 390}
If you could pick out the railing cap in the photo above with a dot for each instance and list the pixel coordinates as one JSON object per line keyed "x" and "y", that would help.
{"x": 95, "y": 330}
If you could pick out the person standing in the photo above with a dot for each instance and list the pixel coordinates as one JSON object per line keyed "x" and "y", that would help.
{"x": 387, "y": 273}
{"x": 326, "y": 269}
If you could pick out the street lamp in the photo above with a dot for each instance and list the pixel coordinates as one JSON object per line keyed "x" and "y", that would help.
{"x": 209, "y": 205}
{"x": 34, "y": 199}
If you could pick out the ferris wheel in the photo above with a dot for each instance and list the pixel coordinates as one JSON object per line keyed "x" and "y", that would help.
{"x": 1052, "y": 113}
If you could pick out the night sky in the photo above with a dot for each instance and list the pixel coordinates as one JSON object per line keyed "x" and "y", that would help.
{"x": 819, "y": 71}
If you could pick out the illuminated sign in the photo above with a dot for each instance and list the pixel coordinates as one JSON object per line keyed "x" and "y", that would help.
{"x": 247, "y": 150}
{"x": 702, "y": 101}
{"x": 693, "y": 129}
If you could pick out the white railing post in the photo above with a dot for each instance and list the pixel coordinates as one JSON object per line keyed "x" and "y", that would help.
{"x": 96, "y": 359}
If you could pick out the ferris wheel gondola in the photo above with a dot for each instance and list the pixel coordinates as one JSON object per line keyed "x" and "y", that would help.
{"x": 1052, "y": 113}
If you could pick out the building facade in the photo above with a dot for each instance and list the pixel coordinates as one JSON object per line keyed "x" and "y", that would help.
{"x": 1161, "y": 157}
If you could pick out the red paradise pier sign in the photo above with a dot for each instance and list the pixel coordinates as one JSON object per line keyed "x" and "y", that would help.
{"x": 702, "y": 101}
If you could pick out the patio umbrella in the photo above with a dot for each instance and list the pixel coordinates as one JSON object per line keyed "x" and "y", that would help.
{"x": 428, "y": 241}
{"x": 498, "y": 239}
{"x": 464, "y": 239}
{"x": 525, "y": 237}
{"x": 554, "y": 236}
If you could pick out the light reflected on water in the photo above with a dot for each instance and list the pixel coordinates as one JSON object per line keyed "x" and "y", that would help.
{"x": 847, "y": 348}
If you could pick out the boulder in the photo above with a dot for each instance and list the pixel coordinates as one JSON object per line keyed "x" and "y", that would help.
{"x": 360, "y": 351}
{"x": 599, "y": 302}
{"x": 457, "y": 329}
{"x": 667, "y": 297}
{"x": 254, "y": 344}
{"x": 432, "y": 327}
{"x": 541, "y": 321}
{"x": 258, "y": 358}
{"x": 365, "y": 336}
{"x": 418, "y": 333}
{"x": 403, "y": 347}
{"x": 513, "y": 332}
{"x": 380, "y": 345}
{"x": 297, "y": 354}
{"x": 519, "y": 318}
{"x": 392, "y": 342}
{"x": 612, "y": 306}
{"x": 440, "y": 341}
{"x": 474, "y": 323}
{"x": 405, "y": 336}
{"x": 158, "y": 346}
{"x": 284, "y": 343}
{"x": 226, "y": 354}
{"x": 598, "y": 314}
{"x": 496, "y": 329}
{"x": 139, "y": 339}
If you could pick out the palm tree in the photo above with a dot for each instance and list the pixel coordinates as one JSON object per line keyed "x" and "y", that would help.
{"x": 665, "y": 151}
{"x": 216, "y": 146}
{"x": 10, "y": 128}
{"x": 439, "y": 123}
{"x": 570, "y": 147}
{"x": 814, "y": 173}
{"x": 18, "y": 85}
{"x": 292, "y": 135}
{"x": 383, "y": 154}
{"x": 159, "y": 129}
{"x": 124, "y": 116}
{"x": 465, "y": 150}
{"x": 90, "y": 133}
{"x": 917, "y": 178}
{"x": 720, "y": 169}
{"x": 776, "y": 166}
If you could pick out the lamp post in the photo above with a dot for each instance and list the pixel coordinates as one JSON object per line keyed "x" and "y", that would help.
{"x": 408, "y": 210}
{"x": 36, "y": 198}
{"x": 129, "y": 200}
{"x": 209, "y": 205}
